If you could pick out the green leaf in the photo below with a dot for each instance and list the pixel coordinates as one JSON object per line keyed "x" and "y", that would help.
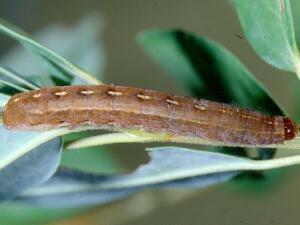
{"x": 206, "y": 68}
{"x": 268, "y": 26}
{"x": 13, "y": 86}
{"x": 104, "y": 139}
{"x": 168, "y": 50}
{"x": 17, "y": 78}
{"x": 61, "y": 67}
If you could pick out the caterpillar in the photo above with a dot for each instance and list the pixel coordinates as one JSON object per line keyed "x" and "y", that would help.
{"x": 129, "y": 107}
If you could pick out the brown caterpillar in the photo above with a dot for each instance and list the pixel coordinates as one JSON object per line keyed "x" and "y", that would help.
{"x": 128, "y": 107}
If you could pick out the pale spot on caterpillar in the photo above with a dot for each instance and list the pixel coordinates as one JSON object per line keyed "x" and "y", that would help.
{"x": 202, "y": 108}
{"x": 38, "y": 112}
{"x": 172, "y": 102}
{"x": 248, "y": 117}
{"x": 87, "y": 92}
{"x": 222, "y": 110}
{"x": 143, "y": 97}
{"x": 114, "y": 93}
{"x": 16, "y": 99}
{"x": 37, "y": 95}
{"x": 61, "y": 93}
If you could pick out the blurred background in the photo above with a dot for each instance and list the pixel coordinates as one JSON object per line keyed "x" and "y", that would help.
{"x": 273, "y": 200}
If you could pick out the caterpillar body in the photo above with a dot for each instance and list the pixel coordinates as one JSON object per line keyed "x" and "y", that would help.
{"x": 128, "y": 107}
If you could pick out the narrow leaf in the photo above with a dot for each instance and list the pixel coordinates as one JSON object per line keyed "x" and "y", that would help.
{"x": 14, "y": 86}
{"x": 57, "y": 62}
{"x": 105, "y": 139}
{"x": 17, "y": 78}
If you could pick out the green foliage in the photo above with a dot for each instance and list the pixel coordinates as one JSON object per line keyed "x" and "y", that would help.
{"x": 269, "y": 28}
